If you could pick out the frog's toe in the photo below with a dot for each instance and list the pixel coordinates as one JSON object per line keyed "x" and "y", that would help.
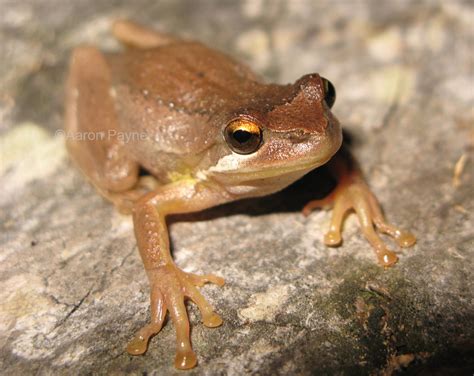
{"x": 139, "y": 344}
{"x": 185, "y": 359}
{"x": 332, "y": 238}
{"x": 212, "y": 321}
{"x": 200, "y": 280}
{"x": 386, "y": 257}
{"x": 405, "y": 239}
{"x": 209, "y": 317}
{"x": 323, "y": 203}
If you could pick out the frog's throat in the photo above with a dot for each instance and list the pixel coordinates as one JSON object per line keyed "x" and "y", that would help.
{"x": 254, "y": 183}
{"x": 233, "y": 171}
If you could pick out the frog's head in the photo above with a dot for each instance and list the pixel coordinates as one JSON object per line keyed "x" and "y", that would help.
{"x": 280, "y": 136}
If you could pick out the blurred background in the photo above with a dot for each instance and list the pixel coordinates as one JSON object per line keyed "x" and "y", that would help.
{"x": 73, "y": 289}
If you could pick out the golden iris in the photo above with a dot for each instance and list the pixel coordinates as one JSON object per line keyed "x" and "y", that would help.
{"x": 243, "y": 136}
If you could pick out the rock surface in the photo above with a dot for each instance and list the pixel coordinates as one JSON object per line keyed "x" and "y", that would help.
{"x": 73, "y": 290}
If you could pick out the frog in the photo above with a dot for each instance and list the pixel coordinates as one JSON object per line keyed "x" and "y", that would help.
{"x": 202, "y": 130}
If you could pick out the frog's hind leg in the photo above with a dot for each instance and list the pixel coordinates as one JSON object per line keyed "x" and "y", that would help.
{"x": 91, "y": 128}
{"x": 126, "y": 200}
{"x": 134, "y": 35}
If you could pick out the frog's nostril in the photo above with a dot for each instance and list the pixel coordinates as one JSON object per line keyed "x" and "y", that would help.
{"x": 325, "y": 124}
{"x": 298, "y": 137}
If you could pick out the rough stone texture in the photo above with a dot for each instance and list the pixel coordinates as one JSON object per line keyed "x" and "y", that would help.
{"x": 73, "y": 290}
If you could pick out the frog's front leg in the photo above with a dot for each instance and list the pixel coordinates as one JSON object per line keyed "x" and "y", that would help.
{"x": 170, "y": 286}
{"x": 352, "y": 193}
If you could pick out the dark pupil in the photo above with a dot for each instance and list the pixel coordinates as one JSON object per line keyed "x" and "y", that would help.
{"x": 241, "y": 136}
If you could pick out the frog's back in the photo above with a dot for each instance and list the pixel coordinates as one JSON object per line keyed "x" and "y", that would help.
{"x": 172, "y": 97}
{"x": 186, "y": 75}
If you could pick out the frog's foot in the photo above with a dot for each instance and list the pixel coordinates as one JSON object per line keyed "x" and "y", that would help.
{"x": 354, "y": 194}
{"x": 170, "y": 286}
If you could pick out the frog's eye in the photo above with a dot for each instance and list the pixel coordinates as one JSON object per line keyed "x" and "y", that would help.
{"x": 243, "y": 136}
{"x": 329, "y": 92}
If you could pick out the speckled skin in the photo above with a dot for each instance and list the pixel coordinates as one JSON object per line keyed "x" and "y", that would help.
{"x": 174, "y": 99}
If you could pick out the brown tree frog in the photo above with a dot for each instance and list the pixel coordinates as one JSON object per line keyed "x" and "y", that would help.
{"x": 208, "y": 131}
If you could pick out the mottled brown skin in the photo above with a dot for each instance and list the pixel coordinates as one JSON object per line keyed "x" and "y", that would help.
{"x": 178, "y": 97}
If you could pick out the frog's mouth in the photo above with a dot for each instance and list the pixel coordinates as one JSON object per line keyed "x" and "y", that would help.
{"x": 245, "y": 174}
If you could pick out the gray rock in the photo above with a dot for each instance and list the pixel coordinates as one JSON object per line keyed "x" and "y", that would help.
{"x": 73, "y": 290}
